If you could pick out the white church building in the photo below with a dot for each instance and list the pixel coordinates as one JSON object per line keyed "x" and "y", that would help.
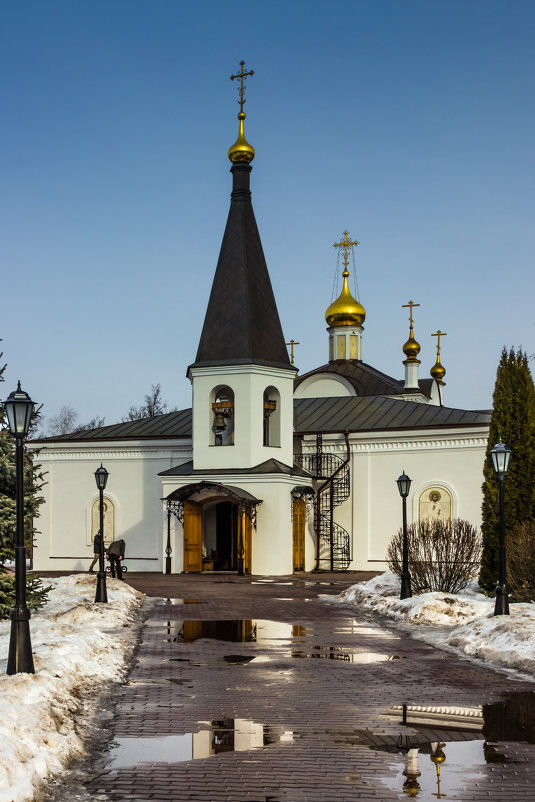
{"x": 268, "y": 473}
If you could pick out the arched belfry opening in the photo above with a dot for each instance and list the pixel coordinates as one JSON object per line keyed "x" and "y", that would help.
{"x": 222, "y": 416}
{"x": 272, "y": 417}
{"x": 218, "y": 522}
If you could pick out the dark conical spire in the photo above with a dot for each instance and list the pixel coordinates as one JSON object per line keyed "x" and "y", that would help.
{"x": 242, "y": 325}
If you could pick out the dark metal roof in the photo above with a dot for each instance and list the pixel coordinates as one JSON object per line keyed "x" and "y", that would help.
{"x": 236, "y": 493}
{"x": 269, "y": 466}
{"x": 169, "y": 425}
{"x": 365, "y": 379}
{"x": 363, "y": 414}
{"x": 242, "y": 323}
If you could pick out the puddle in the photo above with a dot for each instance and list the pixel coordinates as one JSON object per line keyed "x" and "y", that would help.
{"x": 184, "y": 601}
{"x": 260, "y": 631}
{"x": 439, "y": 770}
{"x": 212, "y": 738}
{"x": 237, "y": 631}
{"x": 345, "y": 655}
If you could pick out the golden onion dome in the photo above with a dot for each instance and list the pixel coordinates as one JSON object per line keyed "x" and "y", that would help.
{"x": 411, "y": 349}
{"x": 241, "y": 150}
{"x": 438, "y": 371}
{"x": 438, "y": 756}
{"x": 345, "y": 311}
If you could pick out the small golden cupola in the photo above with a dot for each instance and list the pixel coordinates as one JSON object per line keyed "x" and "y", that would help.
{"x": 411, "y": 349}
{"x": 438, "y": 371}
{"x": 345, "y": 311}
{"x": 345, "y": 316}
{"x": 241, "y": 150}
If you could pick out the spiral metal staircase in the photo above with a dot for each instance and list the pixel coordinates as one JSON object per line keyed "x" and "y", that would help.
{"x": 334, "y": 549}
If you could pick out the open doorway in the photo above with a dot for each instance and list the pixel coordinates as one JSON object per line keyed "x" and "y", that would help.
{"x": 220, "y": 536}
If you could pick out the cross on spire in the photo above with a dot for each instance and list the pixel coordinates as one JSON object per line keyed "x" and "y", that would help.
{"x": 438, "y": 334}
{"x": 410, "y": 305}
{"x": 345, "y": 244}
{"x": 291, "y": 344}
{"x": 242, "y": 76}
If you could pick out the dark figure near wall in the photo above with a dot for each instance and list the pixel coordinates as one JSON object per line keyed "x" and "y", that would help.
{"x": 116, "y": 554}
{"x": 96, "y": 551}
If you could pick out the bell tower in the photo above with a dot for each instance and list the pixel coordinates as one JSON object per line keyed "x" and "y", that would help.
{"x": 242, "y": 377}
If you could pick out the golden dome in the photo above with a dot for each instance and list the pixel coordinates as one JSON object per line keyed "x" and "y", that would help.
{"x": 438, "y": 371}
{"x": 345, "y": 311}
{"x": 241, "y": 150}
{"x": 411, "y": 349}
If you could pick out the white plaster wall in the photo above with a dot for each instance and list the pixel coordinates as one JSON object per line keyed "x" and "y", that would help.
{"x": 324, "y": 385}
{"x": 248, "y": 383}
{"x": 134, "y": 487}
{"x": 452, "y": 459}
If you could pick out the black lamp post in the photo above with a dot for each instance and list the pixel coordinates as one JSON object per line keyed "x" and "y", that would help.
{"x": 101, "y": 478}
{"x": 168, "y": 550}
{"x": 404, "y": 485}
{"x": 19, "y": 407}
{"x": 500, "y": 459}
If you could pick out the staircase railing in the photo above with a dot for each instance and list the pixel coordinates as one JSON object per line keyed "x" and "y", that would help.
{"x": 333, "y": 541}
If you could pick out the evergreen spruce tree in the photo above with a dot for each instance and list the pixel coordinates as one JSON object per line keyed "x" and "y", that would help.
{"x": 512, "y": 420}
{"x": 33, "y": 481}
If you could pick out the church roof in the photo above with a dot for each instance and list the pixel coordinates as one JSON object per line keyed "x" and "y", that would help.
{"x": 365, "y": 414}
{"x": 349, "y": 413}
{"x": 242, "y": 325}
{"x": 168, "y": 425}
{"x": 365, "y": 379}
{"x": 270, "y": 466}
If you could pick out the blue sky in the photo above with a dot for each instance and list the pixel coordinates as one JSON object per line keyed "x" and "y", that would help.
{"x": 410, "y": 124}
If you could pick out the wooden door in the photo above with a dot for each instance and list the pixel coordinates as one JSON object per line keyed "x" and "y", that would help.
{"x": 299, "y": 518}
{"x": 248, "y": 539}
{"x": 192, "y": 537}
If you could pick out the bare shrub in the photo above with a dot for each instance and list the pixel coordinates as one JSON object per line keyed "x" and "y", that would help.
{"x": 443, "y": 555}
{"x": 521, "y": 561}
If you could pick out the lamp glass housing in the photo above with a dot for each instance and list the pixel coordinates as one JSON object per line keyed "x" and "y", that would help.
{"x": 404, "y": 485}
{"x": 101, "y": 477}
{"x": 500, "y": 457}
{"x": 19, "y": 407}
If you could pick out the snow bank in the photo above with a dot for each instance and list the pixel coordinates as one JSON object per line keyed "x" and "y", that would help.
{"x": 78, "y": 646}
{"x": 469, "y": 618}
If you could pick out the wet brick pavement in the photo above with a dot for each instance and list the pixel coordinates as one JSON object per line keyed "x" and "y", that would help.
{"x": 309, "y": 684}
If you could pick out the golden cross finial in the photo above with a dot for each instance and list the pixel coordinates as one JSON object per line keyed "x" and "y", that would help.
{"x": 291, "y": 344}
{"x": 345, "y": 244}
{"x": 410, "y": 305}
{"x": 242, "y": 76}
{"x": 438, "y": 334}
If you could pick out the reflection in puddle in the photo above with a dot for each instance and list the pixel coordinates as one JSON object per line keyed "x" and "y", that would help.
{"x": 345, "y": 655}
{"x": 439, "y": 770}
{"x": 213, "y": 738}
{"x": 237, "y": 631}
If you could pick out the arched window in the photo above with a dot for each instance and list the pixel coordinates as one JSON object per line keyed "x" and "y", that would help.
{"x": 272, "y": 416}
{"x": 109, "y": 520}
{"x": 434, "y": 504}
{"x": 222, "y": 406}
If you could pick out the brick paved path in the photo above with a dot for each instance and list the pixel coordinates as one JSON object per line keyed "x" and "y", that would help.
{"x": 295, "y": 703}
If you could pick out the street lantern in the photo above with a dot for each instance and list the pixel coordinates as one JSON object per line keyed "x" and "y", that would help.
{"x": 500, "y": 459}
{"x": 101, "y": 478}
{"x": 19, "y": 407}
{"x": 404, "y": 485}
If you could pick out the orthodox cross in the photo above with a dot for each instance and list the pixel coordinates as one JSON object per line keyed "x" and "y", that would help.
{"x": 345, "y": 244}
{"x": 242, "y": 76}
{"x": 410, "y": 305}
{"x": 291, "y": 344}
{"x": 438, "y": 334}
